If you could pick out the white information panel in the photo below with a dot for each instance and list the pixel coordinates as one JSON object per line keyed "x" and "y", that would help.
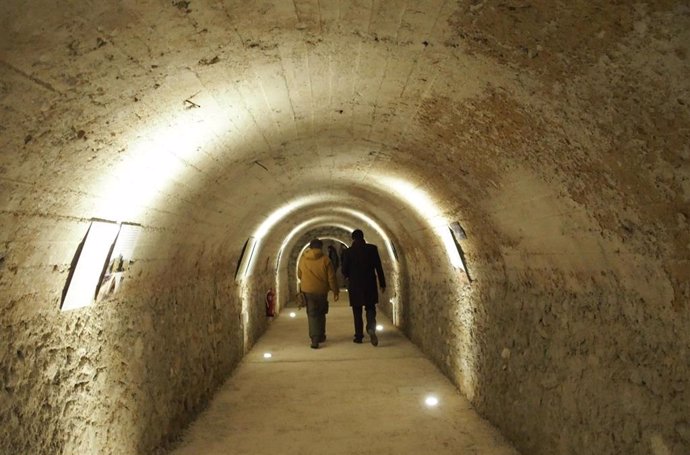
{"x": 82, "y": 288}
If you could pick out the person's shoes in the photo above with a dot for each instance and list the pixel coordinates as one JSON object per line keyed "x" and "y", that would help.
{"x": 373, "y": 338}
{"x": 322, "y": 339}
{"x": 357, "y": 340}
{"x": 315, "y": 343}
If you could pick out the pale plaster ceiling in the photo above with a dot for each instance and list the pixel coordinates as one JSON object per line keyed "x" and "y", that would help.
{"x": 220, "y": 112}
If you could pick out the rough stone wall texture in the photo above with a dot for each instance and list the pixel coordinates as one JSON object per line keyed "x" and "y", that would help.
{"x": 555, "y": 132}
{"x": 126, "y": 374}
{"x": 576, "y": 340}
{"x": 254, "y": 290}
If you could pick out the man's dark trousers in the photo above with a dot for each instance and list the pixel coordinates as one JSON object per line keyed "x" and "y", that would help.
{"x": 317, "y": 308}
{"x": 359, "y": 323}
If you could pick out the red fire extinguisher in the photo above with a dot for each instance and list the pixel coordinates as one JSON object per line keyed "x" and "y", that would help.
{"x": 270, "y": 303}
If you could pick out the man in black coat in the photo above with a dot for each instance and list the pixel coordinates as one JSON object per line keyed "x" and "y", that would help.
{"x": 361, "y": 265}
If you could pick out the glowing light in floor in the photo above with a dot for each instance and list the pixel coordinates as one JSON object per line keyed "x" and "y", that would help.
{"x": 379, "y": 328}
{"x": 293, "y": 314}
{"x": 431, "y": 401}
{"x": 267, "y": 355}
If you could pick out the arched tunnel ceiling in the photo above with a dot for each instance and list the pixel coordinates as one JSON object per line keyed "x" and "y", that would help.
{"x": 176, "y": 112}
{"x": 556, "y": 133}
{"x": 382, "y": 226}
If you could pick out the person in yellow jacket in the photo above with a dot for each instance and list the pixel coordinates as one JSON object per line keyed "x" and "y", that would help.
{"x": 317, "y": 277}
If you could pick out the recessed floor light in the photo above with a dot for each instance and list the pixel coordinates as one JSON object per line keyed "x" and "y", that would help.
{"x": 379, "y": 327}
{"x": 293, "y": 314}
{"x": 431, "y": 401}
{"x": 267, "y": 355}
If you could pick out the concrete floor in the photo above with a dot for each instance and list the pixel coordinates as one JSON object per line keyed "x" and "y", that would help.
{"x": 343, "y": 398}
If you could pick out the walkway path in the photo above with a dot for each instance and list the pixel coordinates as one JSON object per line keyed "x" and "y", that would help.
{"x": 342, "y": 398}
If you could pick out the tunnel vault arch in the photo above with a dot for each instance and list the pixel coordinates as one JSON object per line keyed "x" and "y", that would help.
{"x": 556, "y": 135}
{"x": 286, "y": 275}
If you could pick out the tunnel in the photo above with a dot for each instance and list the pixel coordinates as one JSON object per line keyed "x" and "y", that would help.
{"x": 522, "y": 165}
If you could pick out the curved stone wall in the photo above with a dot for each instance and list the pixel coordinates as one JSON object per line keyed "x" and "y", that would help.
{"x": 556, "y": 134}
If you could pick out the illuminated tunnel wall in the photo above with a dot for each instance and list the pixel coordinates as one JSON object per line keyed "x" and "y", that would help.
{"x": 554, "y": 134}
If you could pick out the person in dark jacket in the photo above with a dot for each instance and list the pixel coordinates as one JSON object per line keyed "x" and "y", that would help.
{"x": 333, "y": 256}
{"x": 361, "y": 264}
